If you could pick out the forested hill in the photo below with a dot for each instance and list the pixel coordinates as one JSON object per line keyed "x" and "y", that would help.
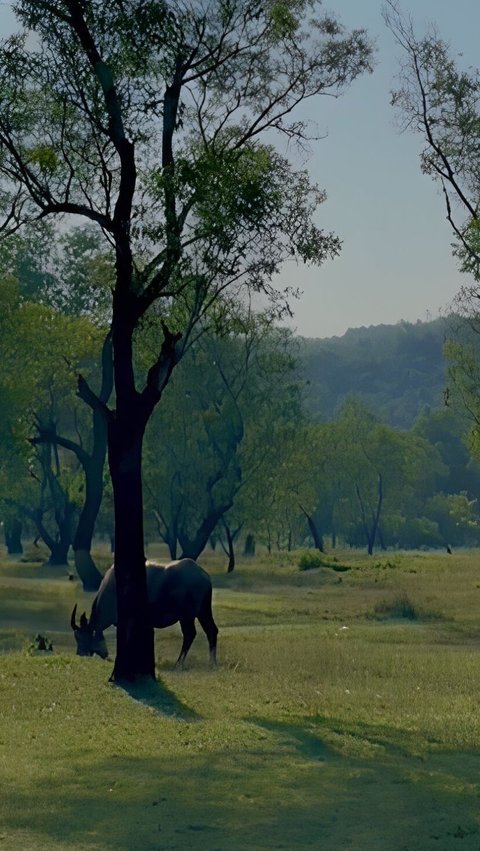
{"x": 396, "y": 369}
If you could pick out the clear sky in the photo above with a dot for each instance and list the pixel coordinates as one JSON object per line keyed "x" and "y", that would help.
{"x": 396, "y": 261}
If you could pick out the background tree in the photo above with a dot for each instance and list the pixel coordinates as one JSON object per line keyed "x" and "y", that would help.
{"x": 214, "y": 431}
{"x": 41, "y": 398}
{"x": 70, "y": 274}
{"x": 379, "y": 470}
{"x": 440, "y": 101}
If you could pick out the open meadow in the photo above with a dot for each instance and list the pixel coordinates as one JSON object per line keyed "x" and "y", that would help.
{"x": 344, "y": 714}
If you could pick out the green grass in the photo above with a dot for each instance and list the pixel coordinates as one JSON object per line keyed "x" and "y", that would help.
{"x": 331, "y": 722}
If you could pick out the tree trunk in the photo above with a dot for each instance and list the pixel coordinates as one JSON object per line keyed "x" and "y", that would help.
{"x": 93, "y": 470}
{"x": 168, "y": 533}
{"x": 231, "y": 550}
{"x": 192, "y": 547}
{"x": 82, "y": 542}
{"x": 135, "y": 657}
{"x": 372, "y": 536}
{"x": 60, "y": 545}
{"x": 316, "y": 535}
{"x": 383, "y": 546}
{"x": 59, "y": 553}
{"x": 87, "y": 570}
{"x": 249, "y": 548}
{"x": 13, "y": 536}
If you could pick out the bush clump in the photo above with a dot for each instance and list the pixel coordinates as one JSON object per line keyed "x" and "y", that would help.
{"x": 311, "y": 559}
{"x": 398, "y": 607}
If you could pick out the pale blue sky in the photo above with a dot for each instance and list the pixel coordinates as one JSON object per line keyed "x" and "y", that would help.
{"x": 396, "y": 261}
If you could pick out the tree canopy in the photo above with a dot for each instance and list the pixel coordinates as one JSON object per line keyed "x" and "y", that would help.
{"x": 151, "y": 120}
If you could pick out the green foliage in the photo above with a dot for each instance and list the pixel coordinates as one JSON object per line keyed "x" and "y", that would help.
{"x": 285, "y": 16}
{"x": 45, "y": 157}
{"x": 215, "y": 446}
{"x": 71, "y": 272}
{"x": 233, "y": 208}
{"x": 42, "y": 353}
{"x": 457, "y": 518}
{"x": 41, "y": 644}
{"x": 311, "y": 559}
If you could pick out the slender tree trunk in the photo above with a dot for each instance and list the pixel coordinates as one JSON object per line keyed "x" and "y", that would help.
{"x": 168, "y": 534}
{"x": 316, "y": 535}
{"x": 371, "y": 531}
{"x": 231, "y": 550}
{"x": 192, "y": 547}
{"x": 93, "y": 469}
{"x": 82, "y": 542}
{"x": 59, "y": 546}
{"x": 376, "y": 516}
{"x": 249, "y": 548}
{"x": 383, "y": 546}
{"x": 172, "y": 549}
{"x": 13, "y": 536}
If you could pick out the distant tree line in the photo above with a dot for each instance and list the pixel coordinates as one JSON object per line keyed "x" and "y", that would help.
{"x": 241, "y": 451}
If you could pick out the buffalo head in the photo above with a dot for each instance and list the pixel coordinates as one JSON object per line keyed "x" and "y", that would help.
{"x": 89, "y": 641}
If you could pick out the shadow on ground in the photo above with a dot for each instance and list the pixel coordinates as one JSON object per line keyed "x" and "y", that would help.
{"x": 161, "y": 699}
{"x": 299, "y": 793}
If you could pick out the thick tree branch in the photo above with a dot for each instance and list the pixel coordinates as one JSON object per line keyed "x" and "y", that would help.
{"x": 85, "y": 392}
{"x": 161, "y": 370}
{"x": 46, "y": 435}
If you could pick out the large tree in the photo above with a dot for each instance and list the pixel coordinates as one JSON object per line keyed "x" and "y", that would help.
{"x": 150, "y": 119}
{"x": 439, "y": 100}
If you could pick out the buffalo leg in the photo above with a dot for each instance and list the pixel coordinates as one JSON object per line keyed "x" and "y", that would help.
{"x": 211, "y": 631}
{"x": 189, "y": 632}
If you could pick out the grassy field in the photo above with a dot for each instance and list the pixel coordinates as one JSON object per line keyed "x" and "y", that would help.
{"x": 344, "y": 714}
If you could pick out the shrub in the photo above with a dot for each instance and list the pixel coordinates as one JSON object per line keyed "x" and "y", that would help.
{"x": 311, "y": 559}
{"x": 398, "y": 607}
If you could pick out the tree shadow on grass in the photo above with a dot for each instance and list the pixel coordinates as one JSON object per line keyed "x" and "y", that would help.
{"x": 329, "y": 738}
{"x": 159, "y": 698}
{"x": 294, "y": 791}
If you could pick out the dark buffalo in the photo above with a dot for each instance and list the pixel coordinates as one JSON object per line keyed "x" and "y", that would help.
{"x": 180, "y": 591}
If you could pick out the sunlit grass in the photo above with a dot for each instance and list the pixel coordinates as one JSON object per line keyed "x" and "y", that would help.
{"x": 323, "y": 726}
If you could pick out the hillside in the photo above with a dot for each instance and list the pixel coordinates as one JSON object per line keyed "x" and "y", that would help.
{"x": 396, "y": 369}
